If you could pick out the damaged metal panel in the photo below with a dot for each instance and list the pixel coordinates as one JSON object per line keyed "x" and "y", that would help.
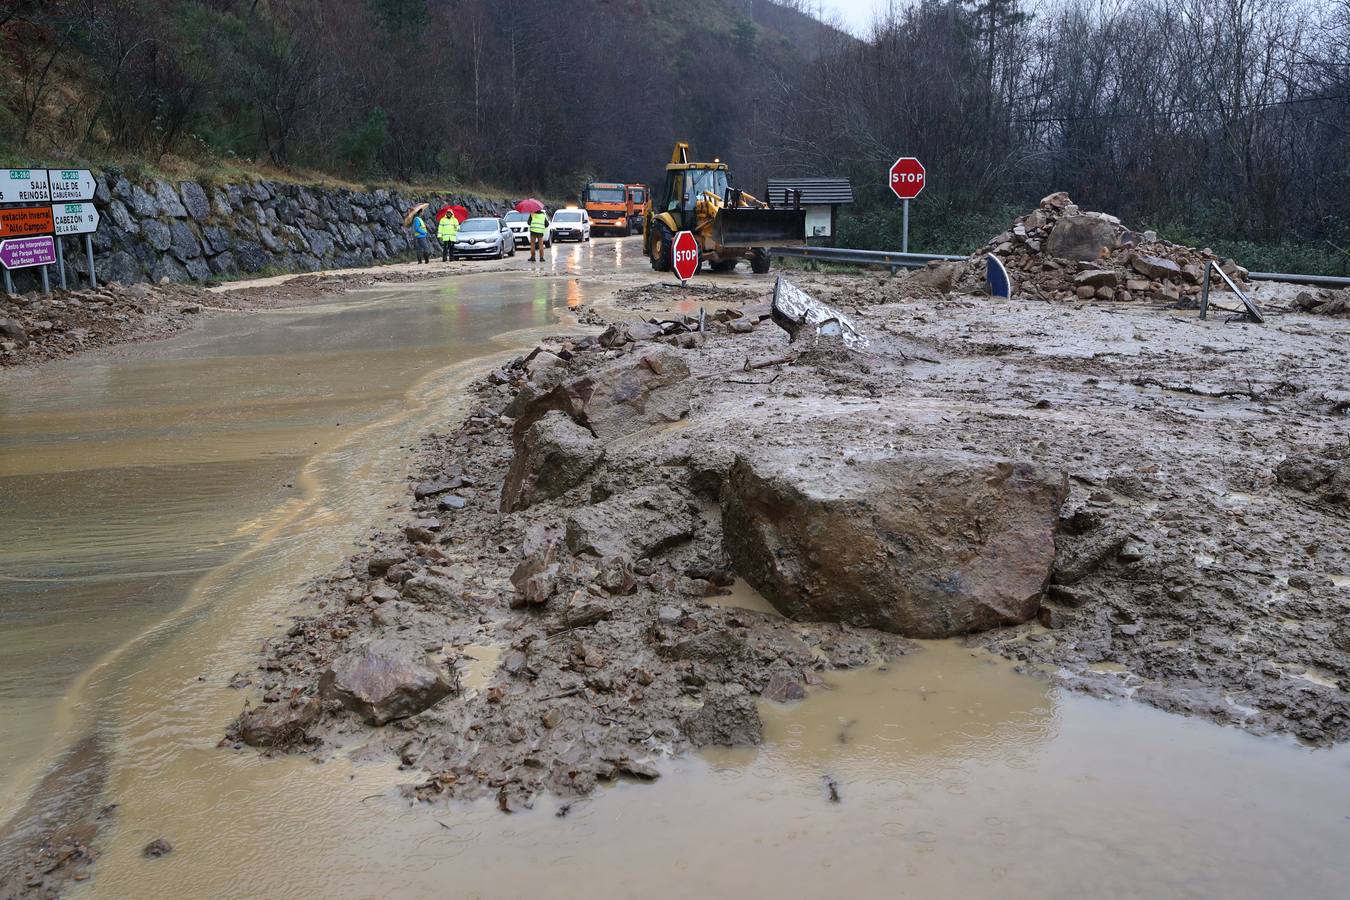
{"x": 798, "y": 313}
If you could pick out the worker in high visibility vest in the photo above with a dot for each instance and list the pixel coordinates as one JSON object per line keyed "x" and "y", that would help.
{"x": 538, "y": 225}
{"x": 447, "y": 232}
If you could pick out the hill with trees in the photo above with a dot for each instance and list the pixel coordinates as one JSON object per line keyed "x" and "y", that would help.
{"x": 1215, "y": 120}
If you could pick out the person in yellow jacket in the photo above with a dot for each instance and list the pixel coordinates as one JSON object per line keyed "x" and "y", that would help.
{"x": 538, "y": 225}
{"x": 447, "y": 232}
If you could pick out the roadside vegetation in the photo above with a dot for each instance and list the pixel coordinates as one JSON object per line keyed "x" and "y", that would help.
{"x": 1223, "y": 123}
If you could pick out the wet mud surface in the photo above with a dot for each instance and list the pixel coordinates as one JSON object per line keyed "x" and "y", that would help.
{"x": 1190, "y": 573}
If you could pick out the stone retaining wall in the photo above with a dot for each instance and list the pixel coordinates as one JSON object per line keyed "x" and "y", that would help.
{"x": 190, "y": 232}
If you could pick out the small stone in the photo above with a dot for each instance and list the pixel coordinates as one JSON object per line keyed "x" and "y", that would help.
{"x": 157, "y": 848}
{"x": 450, "y": 502}
{"x": 1128, "y": 630}
{"x": 1132, "y": 551}
{"x": 552, "y": 718}
{"x": 669, "y": 615}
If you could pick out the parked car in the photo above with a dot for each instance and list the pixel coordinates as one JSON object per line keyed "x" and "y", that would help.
{"x": 520, "y": 229}
{"x": 485, "y": 236}
{"x": 571, "y": 225}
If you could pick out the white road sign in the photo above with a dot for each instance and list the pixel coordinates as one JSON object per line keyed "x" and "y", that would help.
{"x": 75, "y": 218}
{"x": 25, "y": 186}
{"x": 69, "y": 185}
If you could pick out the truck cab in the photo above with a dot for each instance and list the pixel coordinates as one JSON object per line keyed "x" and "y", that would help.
{"x": 607, "y": 204}
{"x": 637, "y": 205}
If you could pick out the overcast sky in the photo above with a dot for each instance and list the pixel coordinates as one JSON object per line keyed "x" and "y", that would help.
{"x": 856, "y": 14}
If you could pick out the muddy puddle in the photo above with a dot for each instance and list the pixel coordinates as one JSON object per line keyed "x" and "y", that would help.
{"x": 954, "y": 776}
{"x": 148, "y": 489}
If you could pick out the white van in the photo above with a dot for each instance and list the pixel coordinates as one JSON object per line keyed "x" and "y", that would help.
{"x": 571, "y": 224}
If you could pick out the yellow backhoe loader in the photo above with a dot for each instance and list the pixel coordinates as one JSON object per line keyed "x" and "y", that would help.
{"x": 729, "y": 225}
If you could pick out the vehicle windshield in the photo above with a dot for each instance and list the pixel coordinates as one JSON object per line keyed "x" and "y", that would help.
{"x": 517, "y": 217}
{"x": 698, "y": 181}
{"x": 639, "y": 197}
{"x": 480, "y": 225}
{"x": 566, "y": 216}
{"x": 605, "y": 195}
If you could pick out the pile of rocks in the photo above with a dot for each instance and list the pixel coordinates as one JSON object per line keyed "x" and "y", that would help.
{"x": 1325, "y": 303}
{"x": 36, "y": 327}
{"x": 1060, "y": 252}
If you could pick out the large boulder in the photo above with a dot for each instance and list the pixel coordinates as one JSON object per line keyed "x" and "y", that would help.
{"x": 631, "y": 393}
{"x": 1082, "y": 237}
{"x": 552, "y": 456}
{"x": 383, "y": 680}
{"x": 924, "y": 544}
{"x": 634, "y": 524}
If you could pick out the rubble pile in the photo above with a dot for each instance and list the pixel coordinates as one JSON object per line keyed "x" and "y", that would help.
{"x": 1060, "y": 252}
{"x": 1325, "y": 303}
{"x": 37, "y": 327}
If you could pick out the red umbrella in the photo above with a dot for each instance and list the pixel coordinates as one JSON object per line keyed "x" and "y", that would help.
{"x": 529, "y": 206}
{"x": 459, "y": 212}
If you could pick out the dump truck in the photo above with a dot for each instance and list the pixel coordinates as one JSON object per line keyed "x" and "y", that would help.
{"x": 637, "y": 205}
{"x": 729, "y": 225}
{"x": 609, "y": 206}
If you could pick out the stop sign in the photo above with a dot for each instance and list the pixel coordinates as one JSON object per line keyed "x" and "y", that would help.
{"x": 907, "y": 177}
{"x": 684, "y": 255}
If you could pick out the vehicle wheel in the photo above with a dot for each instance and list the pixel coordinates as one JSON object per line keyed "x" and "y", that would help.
{"x": 501, "y": 251}
{"x": 724, "y": 265}
{"x": 661, "y": 261}
{"x": 759, "y": 261}
{"x": 587, "y": 237}
{"x": 627, "y": 230}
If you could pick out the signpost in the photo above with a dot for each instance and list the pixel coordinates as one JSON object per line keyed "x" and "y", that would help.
{"x": 24, "y": 186}
{"x": 30, "y": 235}
{"x": 906, "y": 178}
{"x": 684, "y": 255}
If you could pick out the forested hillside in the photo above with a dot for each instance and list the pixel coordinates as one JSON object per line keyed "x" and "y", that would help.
{"x": 1216, "y": 119}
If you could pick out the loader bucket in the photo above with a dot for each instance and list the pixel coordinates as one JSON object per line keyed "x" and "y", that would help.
{"x": 759, "y": 228}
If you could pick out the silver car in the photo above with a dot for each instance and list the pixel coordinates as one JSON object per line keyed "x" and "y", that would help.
{"x": 485, "y": 236}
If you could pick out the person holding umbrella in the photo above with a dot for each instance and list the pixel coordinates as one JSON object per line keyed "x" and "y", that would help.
{"x": 538, "y": 225}
{"x": 420, "y": 234}
{"x": 447, "y": 231}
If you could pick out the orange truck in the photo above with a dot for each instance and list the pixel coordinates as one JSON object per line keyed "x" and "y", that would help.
{"x": 610, "y": 206}
{"x": 637, "y": 205}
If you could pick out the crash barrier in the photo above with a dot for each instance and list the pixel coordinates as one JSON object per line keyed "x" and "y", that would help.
{"x": 866, "y": 257}
{"x": 918, "y": 260}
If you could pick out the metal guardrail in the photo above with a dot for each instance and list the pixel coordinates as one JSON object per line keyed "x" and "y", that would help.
{"x": 918, "y": 260}
{"x": 1331, "y": 281}
{"x": 865, "y": 257}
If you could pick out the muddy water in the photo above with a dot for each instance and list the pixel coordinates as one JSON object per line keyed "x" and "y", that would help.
{"x": 145, "y": 489}
{"x": 955, "y": 776}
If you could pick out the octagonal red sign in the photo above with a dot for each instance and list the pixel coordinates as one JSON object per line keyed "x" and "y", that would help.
{"x": 684, "y": 255}
{"x": 907, "y": 177}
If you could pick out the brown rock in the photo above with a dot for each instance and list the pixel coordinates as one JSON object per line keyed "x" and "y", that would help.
{"x": 1155, "y": 267}
{"x": 552, "y": 456}
{"x": 384, "y": 679}
{"x": 278, "y": 724}
{"x": 1096, "y": 278}
{"x": 634, "y": 524}
{"x": 925, "y": 544}
{"x": 1082, "y": 237}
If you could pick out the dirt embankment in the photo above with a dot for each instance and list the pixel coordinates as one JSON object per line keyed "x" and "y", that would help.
{"x": 548, "y": 615}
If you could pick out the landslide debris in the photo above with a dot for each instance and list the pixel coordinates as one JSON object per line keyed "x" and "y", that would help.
{"x": 974, "y": 453}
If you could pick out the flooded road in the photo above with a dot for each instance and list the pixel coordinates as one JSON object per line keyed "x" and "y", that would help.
{"x": 163, "y": 505}
{"x": 137, "y": 484}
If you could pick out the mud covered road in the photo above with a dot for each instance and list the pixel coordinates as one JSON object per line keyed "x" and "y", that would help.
{"x": 555, "y": 593}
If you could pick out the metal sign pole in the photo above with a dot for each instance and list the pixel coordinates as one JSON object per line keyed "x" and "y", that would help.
{"x": 9, "y": 283}
{"x": 61, "y": 263}
{"x": 89, "y": 256}
{"x": 46, "y": 283}
{"x": 904, "y": 233}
